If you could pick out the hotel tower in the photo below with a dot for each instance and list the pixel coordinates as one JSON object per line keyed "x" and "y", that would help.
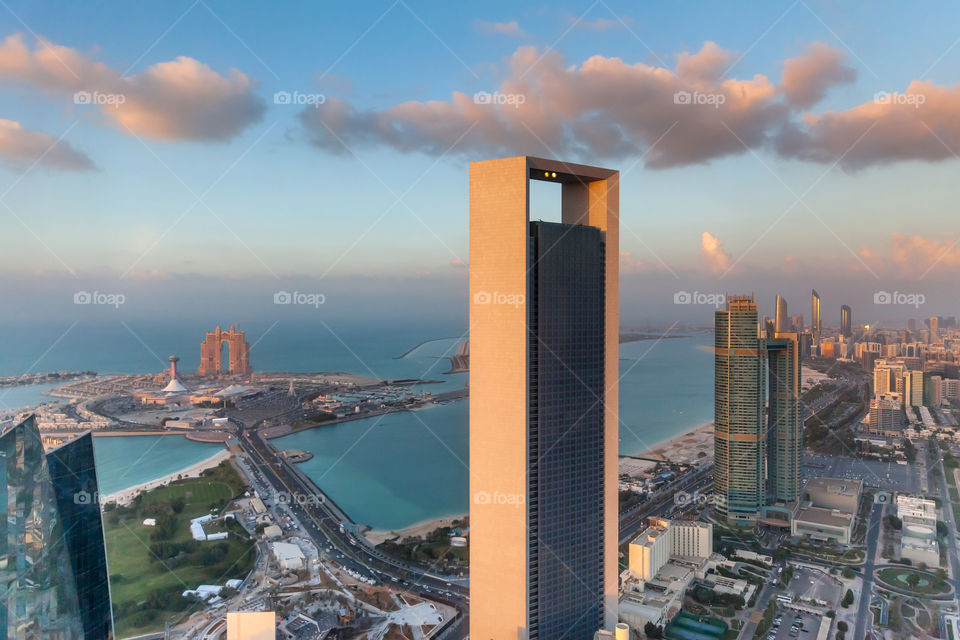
{"x": 543, "y": 403}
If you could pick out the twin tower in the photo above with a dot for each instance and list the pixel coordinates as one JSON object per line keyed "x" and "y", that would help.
{"x": 544, "y": 336}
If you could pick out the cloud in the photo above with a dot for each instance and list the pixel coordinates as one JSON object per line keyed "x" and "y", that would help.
{"x": 511, "y": 28}
{"x": 22, "y": 148}
{"x": 604, "y": 107}
{"x": 807, "y": 78}
{"x": 917, "y": 254}
{"x": 713, "y": 254}
{"x": 457, "y": 263}
{"x": 183, "y": 99}
{"x": 919, "y": 124}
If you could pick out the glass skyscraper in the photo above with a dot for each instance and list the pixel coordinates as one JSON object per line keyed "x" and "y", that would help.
{"x": 53, "y": 570}
{"x": 543, "y": 403}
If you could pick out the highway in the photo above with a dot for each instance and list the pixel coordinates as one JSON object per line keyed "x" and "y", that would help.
{"x": 324, "y": 528}
{"x": 863, "y": 607}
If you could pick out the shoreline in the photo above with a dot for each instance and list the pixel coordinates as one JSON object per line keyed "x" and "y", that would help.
{"x": 671, "y": 442}
{"x": 422, "y": 528}
{"x": 126, "y": 496}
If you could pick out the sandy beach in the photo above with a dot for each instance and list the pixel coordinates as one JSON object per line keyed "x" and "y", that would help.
{"x": 420, "y": 529}
{"x": 685, "y": 447}
{"x": 127, "y": 495}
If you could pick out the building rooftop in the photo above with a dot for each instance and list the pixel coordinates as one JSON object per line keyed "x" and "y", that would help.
{"x": 826, "y": 517}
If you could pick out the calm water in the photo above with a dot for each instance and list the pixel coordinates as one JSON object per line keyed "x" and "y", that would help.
{"x": 124, "y": 462}
{"x": 402, "y": 469}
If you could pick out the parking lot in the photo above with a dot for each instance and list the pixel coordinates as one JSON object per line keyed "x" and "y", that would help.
{"x": 794, "y": 625}
{"x": 888, "y": 476}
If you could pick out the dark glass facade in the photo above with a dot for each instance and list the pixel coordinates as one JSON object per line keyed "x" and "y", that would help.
{"x": 565, "y": 431}
{"x": 74, "y": 478}
{"x": 53, "y": 576}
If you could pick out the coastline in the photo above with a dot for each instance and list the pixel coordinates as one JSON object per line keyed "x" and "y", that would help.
{"x": 376, "y": 536}
{"x": 126, "y": 496}
{"x": 684, "y": 447}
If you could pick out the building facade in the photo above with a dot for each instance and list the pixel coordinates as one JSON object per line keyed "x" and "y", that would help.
{"x": 784, "y": 428}
{"x": 53, "y": 567}
{"x": 739, "y": 409}
{"x": 815, "y": 327}
{"x": 543, "y": 413}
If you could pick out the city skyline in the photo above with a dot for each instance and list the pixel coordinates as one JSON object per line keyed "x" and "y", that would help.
{"x": 173, "y": 191}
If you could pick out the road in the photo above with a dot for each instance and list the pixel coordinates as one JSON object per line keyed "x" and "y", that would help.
{"x": 324, "y": 528}
{"x": 863, "y": 607}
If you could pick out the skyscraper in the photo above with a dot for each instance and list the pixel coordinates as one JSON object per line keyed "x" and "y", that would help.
{"x": 934, "y": 329}
{"x": 815, "y": 327}
{"x": 784, "y": 428}
{"x": 781, "y": 322}
{"x": 739, "y": 403}
{"x": 846, "y": 321}
{"x": 53, "y": 567}
{"x": 543, "y": 409}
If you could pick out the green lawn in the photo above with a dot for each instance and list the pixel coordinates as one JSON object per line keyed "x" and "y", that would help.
{"x": 146, "y": 589}
{"x": 929, "y": 583}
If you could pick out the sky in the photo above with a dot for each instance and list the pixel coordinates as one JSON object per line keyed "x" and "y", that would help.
{"x": 198, "y": 157}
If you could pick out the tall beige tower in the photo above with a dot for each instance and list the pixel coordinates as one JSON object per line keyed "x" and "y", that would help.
{"x": 543, "y": 403}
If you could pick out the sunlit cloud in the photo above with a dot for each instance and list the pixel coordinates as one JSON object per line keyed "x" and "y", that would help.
{"x": 22, "y": 148}
{"x": 713, "y": 254}
{"x": 183, "y": 99}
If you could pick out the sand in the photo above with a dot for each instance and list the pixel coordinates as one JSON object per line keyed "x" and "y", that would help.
{"x": 420, "y": 529}
{"x": 685, "y": 447}
{"x": 127, "y": 495}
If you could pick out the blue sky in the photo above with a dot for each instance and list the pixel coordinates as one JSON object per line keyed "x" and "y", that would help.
{"x": 261, "y": 208}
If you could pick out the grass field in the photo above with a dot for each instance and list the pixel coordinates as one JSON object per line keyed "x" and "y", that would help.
{"x": 145, "y": 588}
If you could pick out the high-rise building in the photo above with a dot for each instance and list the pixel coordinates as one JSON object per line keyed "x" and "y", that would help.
{"x": 784, "y": 427}
{"x": 251, "y": 625}
{"x": 846, "y": 321}
{"x": 53, "y": 565}
{"x": 781, "y": 319}
{"x": 934, "y": 330}
{"x": 543, "y": 411}
{"x": 797, "y": 322}
{"x": 739, "y": 402}
{"x": 815, "y": 316}
{"x": 913, "y": 388}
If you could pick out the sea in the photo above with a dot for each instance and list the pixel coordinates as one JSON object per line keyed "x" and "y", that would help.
{"x": 387, "y": 472}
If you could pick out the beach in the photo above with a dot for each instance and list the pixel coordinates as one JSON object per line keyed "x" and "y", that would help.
{"x": 686, "y": 447}
{"x": 127, "y": 495}
{"x": 420, "y": 529}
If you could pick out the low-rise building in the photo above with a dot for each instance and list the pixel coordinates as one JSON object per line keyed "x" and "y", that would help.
{"x": 823, "y": 524}
{"x": 289, "y": 556}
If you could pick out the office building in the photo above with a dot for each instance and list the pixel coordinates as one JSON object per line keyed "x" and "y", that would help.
{"x": 886, "y": 415}
{"x": 934, "y": 330}
{"x": 53, "y": 566}
{"x": 846, "y": 321}
{"x": 815, "y": 327}
{"x": 781, "y": 320}
{"x": 739, "y": 410}
{"x": 913, "y": 388}
{"x": 784, "y": 427}
{"x": 543, "y": 412}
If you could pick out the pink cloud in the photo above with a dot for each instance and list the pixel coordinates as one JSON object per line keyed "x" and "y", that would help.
{"x": 179, "y": 100}
{"x": 807, "y": 78}
{"x": 713, "y": 254}
{"x": 22, "y": 148}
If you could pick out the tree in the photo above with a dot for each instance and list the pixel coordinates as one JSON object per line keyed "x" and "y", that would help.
{"x": 652, "y": 631}
{"x": 842, "y": 626}
{"x": 941, "y": 529}
{"x": 847, "y": 599}
{"x": 913, "y": 579}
